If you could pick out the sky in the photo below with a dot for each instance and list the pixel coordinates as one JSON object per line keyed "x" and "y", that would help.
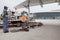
{"x": 9, "y": 3}
{"x": 12, "y": 3}
{"x": 1, "y": 6}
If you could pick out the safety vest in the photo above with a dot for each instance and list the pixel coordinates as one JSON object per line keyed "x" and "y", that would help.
{"x": 6, "y": 14}
{"x": 23, "y": 18}
{"x": 2, "y": 14}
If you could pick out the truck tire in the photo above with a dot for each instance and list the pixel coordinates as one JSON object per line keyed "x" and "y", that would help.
{"x": 26, "y": 29}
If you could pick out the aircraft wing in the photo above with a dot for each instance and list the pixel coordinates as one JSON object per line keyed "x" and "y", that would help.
{"x": 35, "y": 3}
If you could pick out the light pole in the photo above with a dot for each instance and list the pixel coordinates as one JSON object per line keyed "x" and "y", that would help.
{"x": 28, "y": 6}
{"x": 41, "y": 3}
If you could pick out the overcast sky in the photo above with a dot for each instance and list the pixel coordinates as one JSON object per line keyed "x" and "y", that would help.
{"x": 47, "y": 7}
{"x": 12, "y": 3}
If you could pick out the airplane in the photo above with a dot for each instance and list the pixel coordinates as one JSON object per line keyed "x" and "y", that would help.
{"x": 29, "y": 3}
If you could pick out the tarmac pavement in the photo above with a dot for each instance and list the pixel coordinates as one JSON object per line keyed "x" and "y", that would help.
{"x": 45, "y": 32}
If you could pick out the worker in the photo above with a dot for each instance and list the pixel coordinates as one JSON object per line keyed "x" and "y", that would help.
{"x": 23, "y": 20}
{"x": 5, "y": 19}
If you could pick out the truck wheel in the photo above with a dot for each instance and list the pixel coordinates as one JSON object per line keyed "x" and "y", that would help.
{"x": 18, "y": 24}
{"x": 26, "y": 29}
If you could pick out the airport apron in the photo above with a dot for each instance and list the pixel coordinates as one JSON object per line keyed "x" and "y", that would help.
{"x": 5, "y": 21}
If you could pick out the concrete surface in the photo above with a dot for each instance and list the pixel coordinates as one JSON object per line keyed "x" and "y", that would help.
{"x": 49, "y": 21}
{"x": 45, "y": 32}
